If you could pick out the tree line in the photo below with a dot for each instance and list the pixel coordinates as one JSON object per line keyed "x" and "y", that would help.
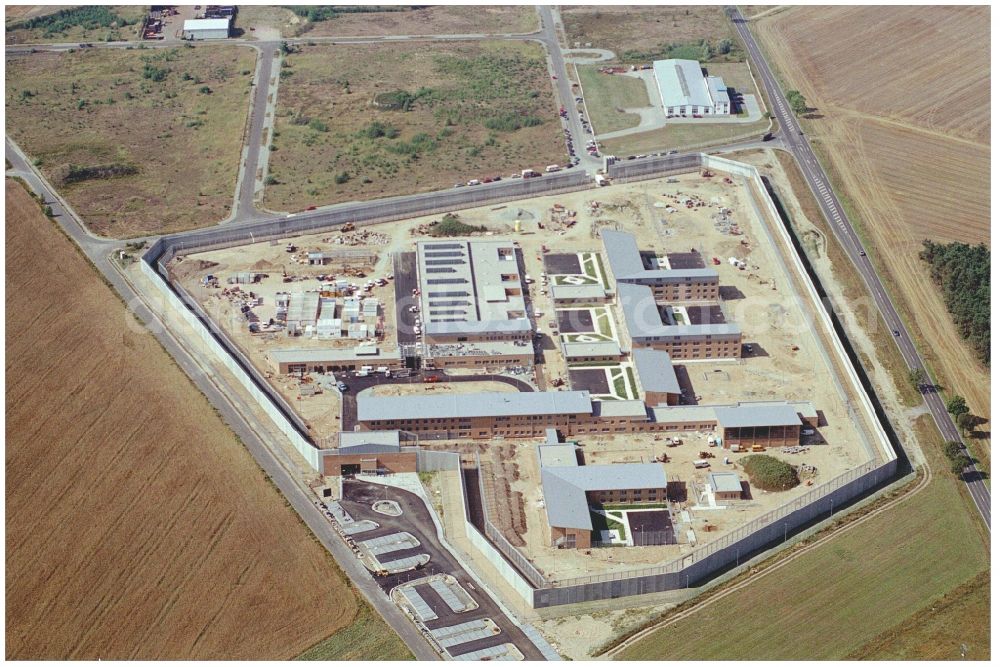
{"x": 962, "y": 271}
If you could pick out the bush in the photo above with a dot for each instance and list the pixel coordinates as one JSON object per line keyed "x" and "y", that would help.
{"x": 511, "y": 121}
{"x": 318, "y": 125}
{"x": 76, "y": 173}
{"x": 205, "y": 90}
{"x": 769, "y": 473}
{"x": 450, "y": 225}
{"x": 378, "y": 129}
{"x": 341, "y": 178}
{"x": 797, "y": 101}
{"x": 154, "y": 73}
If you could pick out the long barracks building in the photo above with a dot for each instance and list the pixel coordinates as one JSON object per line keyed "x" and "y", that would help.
{"x": 530, "y": 414}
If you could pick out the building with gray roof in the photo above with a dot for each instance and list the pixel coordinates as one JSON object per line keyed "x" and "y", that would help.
{"x": 725, "y": 485}
{"x": 657, "y": 377}
{"x": 684, "y": 90}
{"x": 652, "y": 325}
{"x": 483, "y": 404}
{"x": 627, "y": 263}
{"x": 767, "y": 424}
{"x": 471, "y": 291}
{"x": 570, "y": 489}
{"x": 323, "y": 359}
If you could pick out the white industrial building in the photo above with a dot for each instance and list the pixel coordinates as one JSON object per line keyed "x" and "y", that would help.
{"x": 684, "y": 90}
{"x": 206, "y": 28}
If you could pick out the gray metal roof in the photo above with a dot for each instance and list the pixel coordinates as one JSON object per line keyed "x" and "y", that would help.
{"x": 599, "y": 349}
{"x": 681, "y": 83}
{"x": 369, "y": 442}
{"x": 625, "y": 261}
{"x": 551, "y": 436}
{"x": 615, "y": 408}
{"x": 565, "y": 488}
{"x": 557, "y": 455}
{"x": 206, "y": 24}
{"x": 655, "y": 371}
{"x": 680, "y": 414}
{"x": 485, "y": 404}
{"x": 643, "y": 319}
{"x": 725, "y": 481}
{"x": 757, "y": 414}
{"x": 492, "y": 326}
{"x": 321, "y": 355}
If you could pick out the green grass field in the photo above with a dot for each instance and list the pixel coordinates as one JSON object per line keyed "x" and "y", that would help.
{"x": 605, "y": 94}
{"x": 602, "y": 522}
{"x": 831, "y": 601}
{"x": 363, "y": 121}
{"x": 368, "y": 638}
{"x": 683, "y": 135}
{"x": 939, "y": 631}
{"x": 154, "y": 135}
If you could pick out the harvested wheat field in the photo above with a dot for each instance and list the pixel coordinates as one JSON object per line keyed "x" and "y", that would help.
{"x": 902, "y": 122}
{"x": 138, "y": 527}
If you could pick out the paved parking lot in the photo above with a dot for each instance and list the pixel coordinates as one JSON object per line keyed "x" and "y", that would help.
{"x": 359, "y": 496}
{"x": 706, "y": 315}
{"x": 575, "y": 321}
{"x": 563, "y": 265}
{"x": 594, "y": 380}
{"x": 404, "y": 271}
{"x": 686, "y": 260}
{"x": 651, "y": 527}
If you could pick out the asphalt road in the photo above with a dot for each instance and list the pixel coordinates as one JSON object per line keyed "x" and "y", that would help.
{"x": 798, "y": 145}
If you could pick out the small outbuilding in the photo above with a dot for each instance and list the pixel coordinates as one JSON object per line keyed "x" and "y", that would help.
{"x": 725, "y": 485}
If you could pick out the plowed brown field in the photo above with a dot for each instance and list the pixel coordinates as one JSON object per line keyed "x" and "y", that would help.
{"x": 902, "y": 99}
{"x": 138, "y": 527}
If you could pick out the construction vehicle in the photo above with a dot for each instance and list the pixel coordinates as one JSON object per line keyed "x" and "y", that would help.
{"x": 431, "y": 379}
{"x": 758, "y": 448}
{"x": 348, "y": 227}
{"x": 706, "y": 455}
{"x": 716, "y": 261}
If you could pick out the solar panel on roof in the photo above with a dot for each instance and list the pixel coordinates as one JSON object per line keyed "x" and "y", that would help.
{"x": 445, "y": 253}
{"x": 439, "y": 269}
{"x": 453, "y": 293}
{"x": 444, "y": 262}
{"x": 443, "y": 246}
{"x": 446, "y": 281}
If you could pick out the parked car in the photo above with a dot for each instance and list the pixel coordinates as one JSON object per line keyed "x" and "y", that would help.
{"x": 342, "y": 386}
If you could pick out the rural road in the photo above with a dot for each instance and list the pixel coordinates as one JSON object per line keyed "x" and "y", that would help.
{"x": 798, "y": 145}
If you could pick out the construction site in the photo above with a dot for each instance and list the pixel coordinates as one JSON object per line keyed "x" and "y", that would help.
{"x": 575, "y": 259}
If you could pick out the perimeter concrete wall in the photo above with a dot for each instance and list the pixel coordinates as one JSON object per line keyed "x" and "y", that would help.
{"x": 309, "y": 452}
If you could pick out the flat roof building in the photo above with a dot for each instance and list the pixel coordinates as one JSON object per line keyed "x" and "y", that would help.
{"x": 217, "y": 28}
{"x": 685, "y": 90}
{"x": 652, "y": 325}
{"x": 471, "y": 291}
{"x": 657, "y": 377}
{"x": 725, "y": 485}
{"x": 569, "y": 490}
{"x": 321, "y": 360}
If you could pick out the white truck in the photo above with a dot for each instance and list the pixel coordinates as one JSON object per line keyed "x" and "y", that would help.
{"x": 600, "y": 179}
{"x": 552, "y": 168}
